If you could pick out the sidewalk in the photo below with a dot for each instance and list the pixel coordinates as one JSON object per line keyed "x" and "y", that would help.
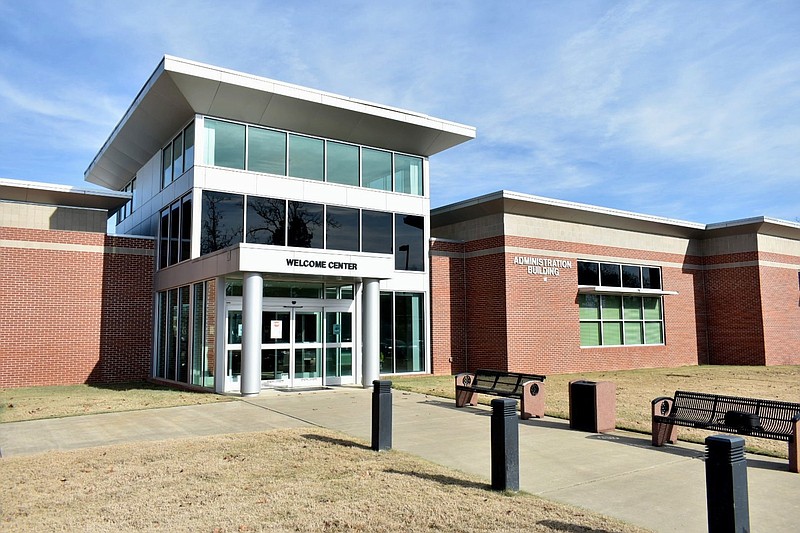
{"x": 619, "y": 474}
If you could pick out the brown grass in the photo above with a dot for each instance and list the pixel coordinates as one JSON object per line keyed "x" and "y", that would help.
{"x": 30, "y": 403}
{"x": 636, "y": 388}
{"x": 288, "y": 480}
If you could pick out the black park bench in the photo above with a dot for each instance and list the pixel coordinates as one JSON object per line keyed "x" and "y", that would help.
{"x": 528, "y": 388}
{"x": 768, "y": 419}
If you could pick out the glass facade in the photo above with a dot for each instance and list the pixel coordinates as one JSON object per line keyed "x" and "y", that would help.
{"x": 280, "y": 222}
{"x": 409, "y": 242}
{"x": 222, "y": 221}
{"x": 175, "y": 233}
{"x": 402, "y": 332}
{"x": 247, "y": 147}
{"x": 178, "y": 156}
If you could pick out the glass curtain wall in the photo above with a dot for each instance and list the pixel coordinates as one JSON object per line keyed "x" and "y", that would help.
{"x": 402, "y": 332}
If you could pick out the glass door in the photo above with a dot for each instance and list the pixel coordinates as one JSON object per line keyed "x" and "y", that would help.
{"x": 291, "y": 350}
{"x": 307, "y": 347}
{"x": 338, "y": 347}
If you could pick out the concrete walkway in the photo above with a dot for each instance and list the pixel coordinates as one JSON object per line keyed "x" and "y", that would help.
{"x": 618, "y": 474}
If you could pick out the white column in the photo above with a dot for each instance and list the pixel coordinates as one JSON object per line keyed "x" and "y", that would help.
{"x": 252, "y": 298}
{"x": 371, "y": 313}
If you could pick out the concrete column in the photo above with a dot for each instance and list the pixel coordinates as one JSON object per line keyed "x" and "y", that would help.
{"x": 252, "y": 298}
{"x": 371, "y": 313}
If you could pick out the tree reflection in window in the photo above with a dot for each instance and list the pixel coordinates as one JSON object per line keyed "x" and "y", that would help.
{"x": 305, "y": 225}
{"x": 266, "y": 221}
{"x": 222, "y": 220}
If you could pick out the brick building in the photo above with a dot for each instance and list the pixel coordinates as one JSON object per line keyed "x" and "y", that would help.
{"x": 269, "y": 235}
{"x": 76, "y": 302}
{"x": 525, "y": 283}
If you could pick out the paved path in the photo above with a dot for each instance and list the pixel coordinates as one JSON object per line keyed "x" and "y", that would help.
{"x": 618, "y": 474}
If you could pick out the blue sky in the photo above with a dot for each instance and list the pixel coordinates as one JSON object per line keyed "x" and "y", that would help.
{"x": 688, "y": 110}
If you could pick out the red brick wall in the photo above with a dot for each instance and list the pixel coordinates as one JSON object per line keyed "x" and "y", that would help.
{"x": 736, "y": 333}
{"x": 522, "y": 322}
{"x": 544, "y": 327}
{"x": 71, "y": 312}
{"x": 780, "y": 300}
{"x": 448, "y": 318}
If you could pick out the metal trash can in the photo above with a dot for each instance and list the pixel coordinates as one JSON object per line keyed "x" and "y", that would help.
{"x": 592, "y": 406}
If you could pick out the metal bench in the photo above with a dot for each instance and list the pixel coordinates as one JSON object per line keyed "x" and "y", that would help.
{"x": 768, "y": 419}
{"x": 528, "y": 388}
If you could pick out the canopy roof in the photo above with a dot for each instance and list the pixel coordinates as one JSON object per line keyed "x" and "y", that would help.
{"x": 180, "y": 88}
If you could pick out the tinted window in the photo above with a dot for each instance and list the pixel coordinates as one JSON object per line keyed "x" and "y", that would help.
{"x": 588, "y": 273}
{"x": 609, "y": 275}
{"x": 266, "y": 221}
{"x": 342, "y": 229}
{"x": 376, "y": 169}
{"x": 407, "y": 174}
{"x": 409, "y": 253}
{"x": 631, "y": 276}
{"x": 224, "y": 144}
{"x": 376, "y": 232}
{"x": 342, "y": 162}
{"x": 222, "y": 220}
{"x": 651, "y": 278}
{"x": 186, "y": 229}
{"x": 188, "y": 148}
{"x": 266, "y": 151}
{"x": 305, "y": 225}
{"x": 305, "y": 157}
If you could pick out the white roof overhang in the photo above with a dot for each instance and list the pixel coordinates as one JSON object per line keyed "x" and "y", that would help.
{"x": 179, "y": 88}
{"x": 61, "y": 195}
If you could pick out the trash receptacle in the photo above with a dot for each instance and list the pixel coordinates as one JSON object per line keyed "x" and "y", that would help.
{"x": 592, "y": 406}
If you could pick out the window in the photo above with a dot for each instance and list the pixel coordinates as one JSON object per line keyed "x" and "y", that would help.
{"x": 376, "y": 169}
{"x": 407, "y": 174}
{"x": 258, "y": 149}
{"x": 266, "y": 151}
{"x": 175, "y": 235}
{"x": 376, "y": 232}
{"x": 402, "y": 332}
{"x": 342, "y": 162}
{"x": 224, "y": 144}
{"x": 266, "y": 221}
{"x": 409, "y": 253}
{"x": 178, "y": 156}
{"x": 617, "y": 275}
{"x": 222, "y": 221}
{"x": 126, "y": 210}
{"x": 305, "y": 225}
{"x": 617, "y": 320}
{"x": 277, "y": 222}
{"x": 306, "y": 158}
{"x": 342, "y": 227}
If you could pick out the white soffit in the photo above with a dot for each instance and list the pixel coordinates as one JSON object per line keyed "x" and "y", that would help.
{"x": 179, "y": 88}
{"x": 60, "y": 195}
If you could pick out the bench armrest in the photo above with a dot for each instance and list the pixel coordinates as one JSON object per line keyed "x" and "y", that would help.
{"x": 662, "y": 405}
{"x": 465, "y": 379}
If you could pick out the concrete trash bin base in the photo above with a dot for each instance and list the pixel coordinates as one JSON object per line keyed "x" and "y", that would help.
{"x": 592, "y": 406}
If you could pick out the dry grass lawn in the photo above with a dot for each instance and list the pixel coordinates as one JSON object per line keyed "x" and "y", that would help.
{"x": 636, "y": 388}
{"x": 30, "y": 403}
{"x": 288, "y": 480}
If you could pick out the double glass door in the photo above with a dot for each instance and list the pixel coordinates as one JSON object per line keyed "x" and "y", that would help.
{"x": 300, "y": 346}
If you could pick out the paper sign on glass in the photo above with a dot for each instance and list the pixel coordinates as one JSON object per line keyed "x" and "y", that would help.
{"x": 276, "y": 329}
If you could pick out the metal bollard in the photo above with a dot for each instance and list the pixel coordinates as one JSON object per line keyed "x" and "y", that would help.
{"x": 505, "y": 445}
{"x": 381, "y": 415}
{"x": 726, "y": 485}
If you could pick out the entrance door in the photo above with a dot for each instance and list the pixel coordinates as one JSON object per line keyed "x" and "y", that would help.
{"x": 301, "y": 346}
{"x": 291, "y": 353}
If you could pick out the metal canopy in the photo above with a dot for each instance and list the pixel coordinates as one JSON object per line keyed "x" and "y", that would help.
{"x": 179, "y": 88}
{"x": 61, "y": 195}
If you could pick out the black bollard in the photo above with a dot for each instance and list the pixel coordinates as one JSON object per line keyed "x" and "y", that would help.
{"x": 726, "y": 485}
{"x": 505, "y": 445}
{"x": 381, "y": 415}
